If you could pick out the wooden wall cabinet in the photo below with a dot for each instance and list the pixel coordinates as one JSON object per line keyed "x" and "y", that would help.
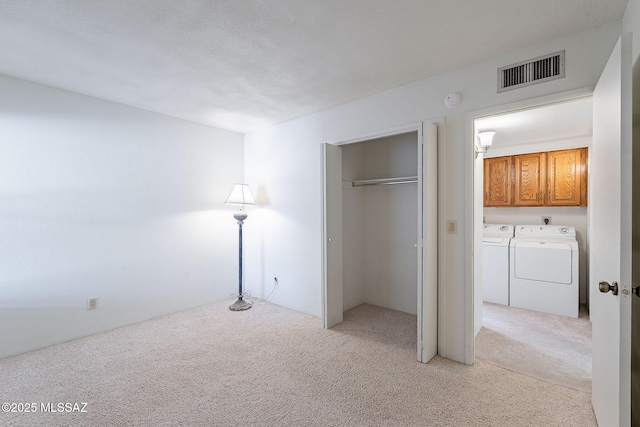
{"x": 498, "y": 182}
{"x": 567, "y": 183}
{"x": 554, "y": 178}
{"x": 530, "y": 177}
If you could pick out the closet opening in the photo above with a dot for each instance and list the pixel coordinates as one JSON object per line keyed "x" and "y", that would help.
{"x": 380, "y": 220}
{"x": 374, "y": 261}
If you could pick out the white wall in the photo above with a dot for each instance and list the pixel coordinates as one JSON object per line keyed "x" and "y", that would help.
{"x": 380, "y": 224}
{"x": 390, "y": 255}
{"x": 102, "y": 200}
{"x": 285, "y": 161}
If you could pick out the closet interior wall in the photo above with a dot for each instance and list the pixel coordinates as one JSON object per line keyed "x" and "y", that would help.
{"x": 380, "y": 224}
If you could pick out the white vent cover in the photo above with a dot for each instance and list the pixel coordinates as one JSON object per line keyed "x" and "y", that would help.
{"x": 533, "y": 71}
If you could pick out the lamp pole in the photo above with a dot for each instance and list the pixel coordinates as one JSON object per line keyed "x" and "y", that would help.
{"x": 240, "y": 304}
{"x": 240, "y": 195}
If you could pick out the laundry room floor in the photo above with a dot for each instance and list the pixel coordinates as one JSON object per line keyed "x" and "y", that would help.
{"x": 545, "y": 346}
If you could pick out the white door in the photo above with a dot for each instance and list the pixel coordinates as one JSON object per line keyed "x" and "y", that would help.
{"x": 332, "y": 297}
{"x": 610, "y": 238}
{"x": 428, "y": 250}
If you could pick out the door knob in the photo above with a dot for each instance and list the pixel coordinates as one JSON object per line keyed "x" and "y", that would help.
{"x": 606, "y": 287}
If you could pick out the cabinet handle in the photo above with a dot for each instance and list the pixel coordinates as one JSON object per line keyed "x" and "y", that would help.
{"x": 548, "y": 195}
{"x": 539, "y": 195}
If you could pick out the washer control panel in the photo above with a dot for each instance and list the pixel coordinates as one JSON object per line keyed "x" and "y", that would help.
{"x": 498, "y": 230}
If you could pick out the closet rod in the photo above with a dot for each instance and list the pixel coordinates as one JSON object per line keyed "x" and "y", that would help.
{"x": 386, "y": 181}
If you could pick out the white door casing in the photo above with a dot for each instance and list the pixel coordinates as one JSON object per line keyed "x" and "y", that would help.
{"x": 610, "y": 238}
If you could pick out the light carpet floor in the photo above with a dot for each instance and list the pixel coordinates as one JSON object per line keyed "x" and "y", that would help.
{"x": 546, "y": 346}
{"x": 270, "y": 366}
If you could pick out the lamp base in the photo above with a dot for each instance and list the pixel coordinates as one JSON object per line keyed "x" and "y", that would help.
{"x": 240, "y": 305}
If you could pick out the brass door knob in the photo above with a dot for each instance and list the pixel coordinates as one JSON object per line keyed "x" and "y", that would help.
{"x": 606, "y": 287}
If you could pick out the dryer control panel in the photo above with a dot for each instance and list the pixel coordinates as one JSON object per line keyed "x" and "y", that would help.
{"x": 547, "y": 231}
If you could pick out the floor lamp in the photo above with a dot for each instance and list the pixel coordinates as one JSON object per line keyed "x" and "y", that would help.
{"x": 240, "y": 195}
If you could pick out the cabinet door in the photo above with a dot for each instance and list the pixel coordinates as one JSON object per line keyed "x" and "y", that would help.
{"x": 567, "y": 183}
{"x": 497, "y": 182}
{"x": 530, "y": 179}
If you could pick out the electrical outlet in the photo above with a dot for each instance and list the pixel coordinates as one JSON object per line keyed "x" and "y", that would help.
{"x": 92, "y": 303}
{"x": 546, "y": 220}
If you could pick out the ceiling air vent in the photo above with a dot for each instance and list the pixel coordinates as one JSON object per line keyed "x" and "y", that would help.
{"x": 534, "y": 71}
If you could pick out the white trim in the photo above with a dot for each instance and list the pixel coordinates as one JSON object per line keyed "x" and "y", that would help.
{"x": 429, "y": 260}
{"x": 527, "y": 104}
{"x": 383, "y": 133}
{"x": 323, "y": 234}
{"x": 440, "y": 122}
{"x": 469, "y": 338}
{"x": 420, "y": 285}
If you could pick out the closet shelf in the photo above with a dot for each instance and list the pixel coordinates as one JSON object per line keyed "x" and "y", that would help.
{"x": 386, "y": 181}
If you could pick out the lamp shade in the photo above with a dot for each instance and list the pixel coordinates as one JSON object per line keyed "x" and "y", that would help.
{"x": 240, "y": 195}
{"x": 486, "y": 138}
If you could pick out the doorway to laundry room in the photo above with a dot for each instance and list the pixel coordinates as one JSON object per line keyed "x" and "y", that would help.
{"x": 530, "y": 280}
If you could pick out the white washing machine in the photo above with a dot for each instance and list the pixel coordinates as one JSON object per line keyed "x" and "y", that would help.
{"x": 495, "y": 262}
{"x": 544, "y": 269}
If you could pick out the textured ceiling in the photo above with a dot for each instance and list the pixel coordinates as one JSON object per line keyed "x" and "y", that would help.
{"x": 244, "y": 64}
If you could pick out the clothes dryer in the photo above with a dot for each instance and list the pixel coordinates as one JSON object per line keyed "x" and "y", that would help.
{"x": 544, "y": 269}
{"x": 495, "y": 262}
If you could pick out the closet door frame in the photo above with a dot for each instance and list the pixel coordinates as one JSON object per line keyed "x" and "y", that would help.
{"x": 426, "y": 239}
